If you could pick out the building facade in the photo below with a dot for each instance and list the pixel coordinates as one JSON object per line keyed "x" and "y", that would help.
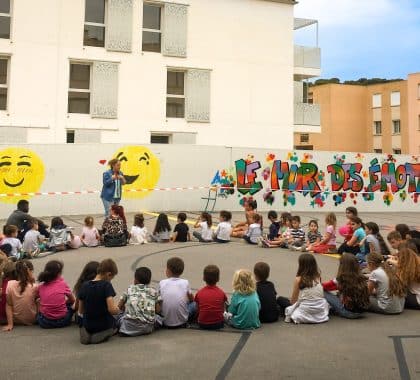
{"x": 379, "y": 118}
{"x": 214, "y": 72}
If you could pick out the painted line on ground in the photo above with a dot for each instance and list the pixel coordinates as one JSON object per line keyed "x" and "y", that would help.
{"x": 224, "y": 371}
{"x": 399, "y": 353}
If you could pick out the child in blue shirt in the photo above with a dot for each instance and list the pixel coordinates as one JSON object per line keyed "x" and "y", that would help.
{"x": 274, "y": 226}
{"x": 244, "y": 308}
{"x": 353, "y": 245}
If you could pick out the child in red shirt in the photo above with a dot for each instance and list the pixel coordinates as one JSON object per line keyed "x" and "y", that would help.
{"x": 211, "y": 300}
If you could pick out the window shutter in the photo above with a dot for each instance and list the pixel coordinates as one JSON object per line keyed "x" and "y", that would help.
{"x": 198, "y": 96}
{"x": 105, "y": 90}
{"x": 119, "y": 28}
{"x": 175, "y": 30}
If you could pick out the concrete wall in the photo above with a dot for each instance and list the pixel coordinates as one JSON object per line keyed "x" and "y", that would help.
{"x": 248, "y": 45}
{"x": 277, "y": 179}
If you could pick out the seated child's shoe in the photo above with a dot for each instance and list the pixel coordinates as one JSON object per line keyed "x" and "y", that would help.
{"x": 102, "y": 336}
{"x": 36, "y": 252}
{"x": 287, "y": 319}
{"x": 84, "y": 336}
{"x": 265, "y": 244}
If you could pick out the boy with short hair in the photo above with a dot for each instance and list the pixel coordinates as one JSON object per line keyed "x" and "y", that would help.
{"x": 224, "y": 228}
{"x": 181, "y": 230}
{"x": 32, "y": 243}
{"x": 297, "y": 234}
{"x": 176, "y": 295}
{"x": 269, "y": 311}
{"x": 394, "y": 238}
{"x": 211, "y": 300}
{"x": 11, "y": 233}
{"x": 140, "y": 303}
{"x": 274, "y": 226}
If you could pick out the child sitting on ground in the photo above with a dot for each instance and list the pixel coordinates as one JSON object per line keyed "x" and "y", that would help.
{"x": 89, "y": 272}
{"x": 284, "y": 233}
{"x": 387, "y": 293}
{"x": 11, "y": 233}
{"x": 353, "y": 297}
{"x": 297, "y": 235}
{"x": 211, "y": 300}
{"x": 90, "y": 234}
{"x": 162, "y": 229}
{"x": 176, "y": 295}
{"x": 307, "y": 304}
{"x": 374, "y": 242}
{"x": 347, "y": 231}
{"x": 205, "y": 223}
{"x": 96, "y": 304}
{"x": 224, "y": 228}
{"x": 21, "y": 295}
{"x": 404, "y": 231}
{"x": 33, "y": 243}
{"x": 266, "y": 291}
{"x": 274, "y": 226}
{"x": 328, "y": 242}
{"x": 55, "y": 297}
{"x": 244, "y": 308}
{"x": 8, "y": 273}
{"x": 394, "y": 238}
{"x": 181, "y": 230}
{"x": 61, "y": 237}
{"x": 313, "y": 236}
{"x": 254, "y": 233}
{"x": 139, "y": 303}
{"x": 240, "y": 229}
{"x": 138, "y": 233}
{"x": 353, "y": 245}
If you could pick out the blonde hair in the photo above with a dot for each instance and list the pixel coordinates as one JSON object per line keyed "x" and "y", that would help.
{"x": 331, "y": 219}
{"x": 243, "y": 282}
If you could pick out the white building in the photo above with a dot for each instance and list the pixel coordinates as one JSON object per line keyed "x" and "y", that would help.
{"x": 214, "y": 72}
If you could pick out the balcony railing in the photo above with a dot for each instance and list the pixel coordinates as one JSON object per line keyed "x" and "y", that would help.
{"x": 307, "y": 57}
{"x": 307, "y": 114}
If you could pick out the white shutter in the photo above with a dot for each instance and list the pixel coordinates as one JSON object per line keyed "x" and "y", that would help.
{"x": 105, "y": 90}
{"x": 119, "y": 26}
{"x": 198, "y": 96}
{"x": 175, "y": 30}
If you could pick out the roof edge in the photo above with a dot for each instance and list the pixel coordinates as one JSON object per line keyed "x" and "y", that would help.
{"x": 288, "y": 2}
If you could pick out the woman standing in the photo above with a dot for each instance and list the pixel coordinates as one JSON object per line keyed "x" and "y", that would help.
{"x": 113, "y": 180}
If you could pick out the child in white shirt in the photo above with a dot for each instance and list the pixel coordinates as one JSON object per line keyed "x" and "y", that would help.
{"x": 11, "y": 233}
{"x": 205, "y": 223}
{"x": 254, "y": 233}
{"x": 224, "y": 228}
{"x": 138, "y": 233}
{"x": 33, "y": 241}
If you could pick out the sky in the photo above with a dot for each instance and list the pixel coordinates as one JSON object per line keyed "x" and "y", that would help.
{"x": 363, "y": 38}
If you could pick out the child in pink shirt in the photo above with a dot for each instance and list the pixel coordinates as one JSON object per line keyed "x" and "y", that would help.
{"x": 55, "y": 297}
{"x": 90, "y": 234}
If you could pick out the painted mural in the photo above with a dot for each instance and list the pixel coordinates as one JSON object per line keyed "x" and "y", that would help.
{"x": 21, "y": 171}
{"x": 348, "y": 179}
{"x": 141, "y": 170}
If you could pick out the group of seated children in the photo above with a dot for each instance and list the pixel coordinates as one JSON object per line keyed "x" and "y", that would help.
{"x": 390, "y": 286}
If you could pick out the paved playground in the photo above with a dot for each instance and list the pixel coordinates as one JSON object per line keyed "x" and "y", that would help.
{"x": 376, "y": 347}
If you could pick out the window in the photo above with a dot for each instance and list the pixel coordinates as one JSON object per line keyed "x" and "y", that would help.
{"x": 79, "y": 88}
{"x": 175, "y": 100}
{"x": 5, "y": 19}
{"x": 377, "y": 100}
{"x": 304, "y": 138}
{"x": 152, "y": 33}
{"x": 377, "y": 128}
{"x": 70, "y": 136}
{"x": 3, "y": 83}
{"x": 395, "y": 98}
{"x": 159, "y": 139}
{"x": 94, "y": 32}
{"x": 396, "y": 127}
{"x": 377, "y": 150}
{"x": 397, "y": 151}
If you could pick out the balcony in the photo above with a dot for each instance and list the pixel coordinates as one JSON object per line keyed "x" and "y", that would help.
{"x": 307, "y": 118}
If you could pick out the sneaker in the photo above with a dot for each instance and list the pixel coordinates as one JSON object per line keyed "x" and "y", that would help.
{"x": 287, "y": 319}
{"x": 102, "y": 336}
{"x": 84, "y": 336}
{"x": 265, "y": 244}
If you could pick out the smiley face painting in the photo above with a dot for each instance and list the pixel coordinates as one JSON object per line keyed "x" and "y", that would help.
{"x": 21, "y": 171}
{"x": 141, "y": 170}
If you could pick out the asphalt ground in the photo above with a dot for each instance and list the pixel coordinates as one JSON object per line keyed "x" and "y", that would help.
{"x": 375, "y": 347}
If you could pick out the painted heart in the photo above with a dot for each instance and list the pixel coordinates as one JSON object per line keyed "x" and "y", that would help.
{"x": 102, "y": 162}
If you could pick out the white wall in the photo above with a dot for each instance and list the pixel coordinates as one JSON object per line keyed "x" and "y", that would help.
{"x": 248, "y": 45}
{"x": 77, "y": 167}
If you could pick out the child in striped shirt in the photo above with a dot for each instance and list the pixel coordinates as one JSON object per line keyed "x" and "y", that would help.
{"x": 297, "y": 234}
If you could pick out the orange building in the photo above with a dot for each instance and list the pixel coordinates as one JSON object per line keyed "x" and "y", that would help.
{"x": 382, "y": 118}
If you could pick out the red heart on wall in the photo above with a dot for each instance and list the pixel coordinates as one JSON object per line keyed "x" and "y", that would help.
{"x": 102, "y": 162}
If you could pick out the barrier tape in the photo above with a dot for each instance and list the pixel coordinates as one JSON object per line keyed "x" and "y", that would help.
{"x": 214, "y": 188}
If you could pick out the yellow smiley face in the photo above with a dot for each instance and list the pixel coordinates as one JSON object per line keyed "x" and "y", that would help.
{"x": 21, "y": 171}
{"x": 141, "y": 170}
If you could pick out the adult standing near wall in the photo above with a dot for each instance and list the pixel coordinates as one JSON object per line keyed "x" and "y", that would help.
{"x": 113, "y": 180}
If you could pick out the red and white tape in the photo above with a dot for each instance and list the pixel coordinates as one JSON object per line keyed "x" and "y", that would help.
{"x": 215, "y": 187}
